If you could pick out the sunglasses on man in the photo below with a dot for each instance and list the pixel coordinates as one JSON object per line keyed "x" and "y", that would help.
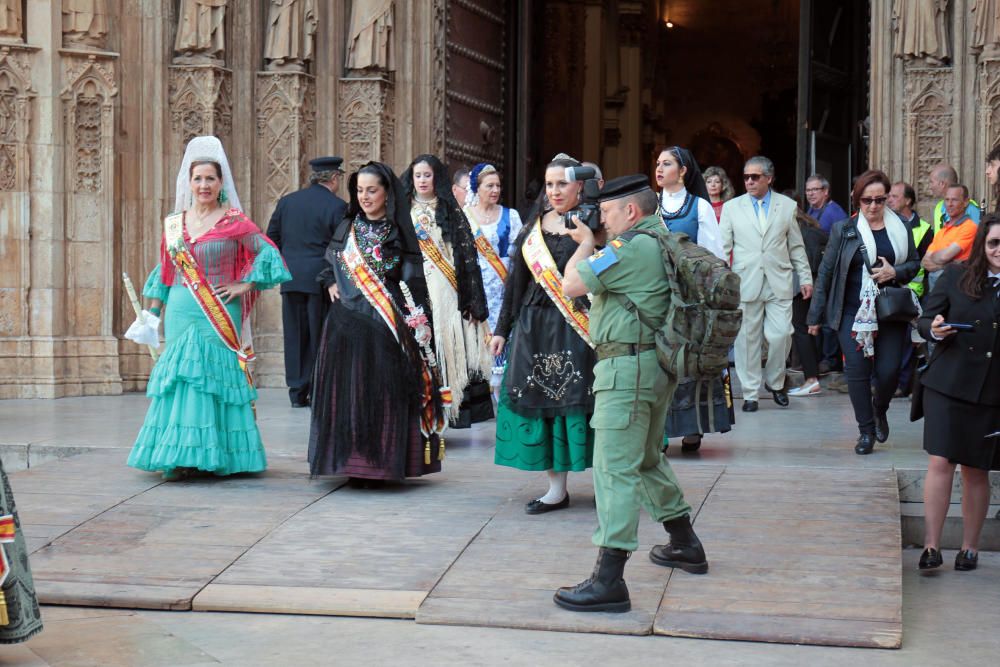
{"x": 753, "y": 178}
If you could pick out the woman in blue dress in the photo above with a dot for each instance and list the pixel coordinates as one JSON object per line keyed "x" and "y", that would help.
{"x": 685, "y": 208}
{"x": 201, "y": 416}
{"x": 495, "y": 228}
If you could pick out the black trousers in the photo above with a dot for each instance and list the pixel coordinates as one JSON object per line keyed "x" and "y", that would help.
{"x": 880, "y": 372}
{"x": 805, "y": 345}
{"x": 302, "y": 316}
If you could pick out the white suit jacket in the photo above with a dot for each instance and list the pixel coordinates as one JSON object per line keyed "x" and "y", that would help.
{"x": 764, "y": 255}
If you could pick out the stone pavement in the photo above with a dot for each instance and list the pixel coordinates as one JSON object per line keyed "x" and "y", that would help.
{"x": 264, "y": 540}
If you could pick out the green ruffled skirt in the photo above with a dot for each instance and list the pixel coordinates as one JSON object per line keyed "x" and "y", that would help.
{"x": 563, "y": 444}
{"x": 201, "y": 414}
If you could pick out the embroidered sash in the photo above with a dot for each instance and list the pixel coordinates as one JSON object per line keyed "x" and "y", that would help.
{"x": 206, "y": 298}
{"x": 484, "y": 246}
{"x": 430, "y": 248}
{"x": 7, "y": 534}
{"x": 369, "y": 284}
{"x": 543, "y": 267}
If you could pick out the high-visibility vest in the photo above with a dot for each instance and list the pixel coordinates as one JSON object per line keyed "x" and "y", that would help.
{"x": 974, "y": 213}
{"x": 917, "y": 284}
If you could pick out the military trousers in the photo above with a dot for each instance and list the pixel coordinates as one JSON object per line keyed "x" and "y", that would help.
{"x": 630, "y": 469}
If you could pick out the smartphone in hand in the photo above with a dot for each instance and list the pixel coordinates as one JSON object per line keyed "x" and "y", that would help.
{"x": 959, "y": 326}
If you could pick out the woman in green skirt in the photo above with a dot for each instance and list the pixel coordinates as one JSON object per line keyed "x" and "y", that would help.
{"x": 545, "y": 399}
{"x": 214, "y": 261}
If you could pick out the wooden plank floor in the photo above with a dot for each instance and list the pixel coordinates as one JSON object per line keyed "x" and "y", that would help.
{"x": 803, "y": 556}
{"x": 370, "y": 552}
{"x": 507, "y": 576}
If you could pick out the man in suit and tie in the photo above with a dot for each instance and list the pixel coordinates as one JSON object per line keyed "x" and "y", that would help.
{"x": 760, "y": 230}
{"x": 301, "y": 227}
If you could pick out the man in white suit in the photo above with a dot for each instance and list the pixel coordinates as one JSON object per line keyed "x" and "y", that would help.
{"x": 760, "y": 230}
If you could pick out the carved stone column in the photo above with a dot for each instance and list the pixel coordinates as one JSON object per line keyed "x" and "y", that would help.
{"x": 367, "y": 119}
{"x": 201, "y": 102}
{"x": 928, "y": 95}
{"x": 85, "y": 360}
{"x": 16, "y": 96}
{"x": 286, "y": 133}
{"x": 988, "y": 119}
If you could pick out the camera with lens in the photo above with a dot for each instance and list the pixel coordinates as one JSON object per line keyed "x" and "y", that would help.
{"x": 587, "y": 212}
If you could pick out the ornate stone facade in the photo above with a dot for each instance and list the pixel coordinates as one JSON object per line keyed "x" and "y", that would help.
{"x": 367, "y": 121}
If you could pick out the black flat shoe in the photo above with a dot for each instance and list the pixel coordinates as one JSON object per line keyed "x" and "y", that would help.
{"x": 931, "y": 558}
{"x": 866, "y": 444}
{"x": 881, "y": 425}
{"x": 965, "y": 560}
{"x": 749, "y": 406}
{"x": 692, "y": 445}
{"x": 538, "y": 507}
{"x": 780, "y": 397}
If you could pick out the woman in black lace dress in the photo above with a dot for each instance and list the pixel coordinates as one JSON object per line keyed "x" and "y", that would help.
{"x": 376, "y": 410}
{"x": 545, "y": 400}
{"x": 455, "y": 285}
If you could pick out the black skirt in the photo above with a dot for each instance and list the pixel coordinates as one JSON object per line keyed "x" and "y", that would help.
{"x": 956, "y": 430}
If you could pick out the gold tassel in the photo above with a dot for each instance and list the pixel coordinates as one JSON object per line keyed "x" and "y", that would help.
{"x": 4, "y": 619}
{"x": 427, "y": 452}
{"x": 441, "y": 449}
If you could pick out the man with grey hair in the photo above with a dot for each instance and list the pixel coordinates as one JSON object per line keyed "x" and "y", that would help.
{"x": 760, "y": 230}
{"x": 825, "y": 210}
{"x": 301, "y": 227}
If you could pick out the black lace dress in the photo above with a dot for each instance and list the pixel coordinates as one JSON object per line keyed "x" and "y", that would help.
{"x": 366, "y": 402}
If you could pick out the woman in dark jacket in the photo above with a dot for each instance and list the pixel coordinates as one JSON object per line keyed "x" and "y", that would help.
{"x": 844, "y": 298}
{"x": 962, "y": 394}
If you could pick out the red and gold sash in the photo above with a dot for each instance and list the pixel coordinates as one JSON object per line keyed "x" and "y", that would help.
{"x": 369, "y": 284}
{"x": 430, "y": 249}
{"x": 379, "y": 298}
{"x": 543, "y": 267}
{"x": 484, "y": 246}
{"x": 7, "y": 535}
{"x": 206, "y": 298}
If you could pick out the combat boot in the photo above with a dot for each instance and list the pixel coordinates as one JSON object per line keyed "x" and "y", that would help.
{"x": 684, "y": 549}
{"x": 604, "y": 591}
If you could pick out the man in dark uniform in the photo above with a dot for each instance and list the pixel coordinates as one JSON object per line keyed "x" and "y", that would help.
{"x": 631, "y": 396}
{"x": 301, "y": 227}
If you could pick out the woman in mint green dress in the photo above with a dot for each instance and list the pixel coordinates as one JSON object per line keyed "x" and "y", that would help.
{"x": 201, "y": 416}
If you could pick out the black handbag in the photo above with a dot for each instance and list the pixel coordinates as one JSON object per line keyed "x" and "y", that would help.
{"x": 893, "y": 304}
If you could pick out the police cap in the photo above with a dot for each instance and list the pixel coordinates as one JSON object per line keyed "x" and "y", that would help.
{"x": 623, "y": 186}
{"x": 332, "y": 163}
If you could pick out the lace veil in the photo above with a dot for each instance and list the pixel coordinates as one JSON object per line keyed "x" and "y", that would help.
{"x": 204, "y": 148}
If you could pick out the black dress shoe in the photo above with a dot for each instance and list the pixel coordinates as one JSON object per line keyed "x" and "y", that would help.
{"x": 866, "y": 444}
{"x": 780, "y": 397}
{"x": 538, "y": 507}
{"x": 965, "y": 560}
{"x": 604, "y": 591}
{"x": 930, "y": 559}
{"x": 881, "y": 425}
{"x": 690, "y": 444}
{"x": 749, "y": 406}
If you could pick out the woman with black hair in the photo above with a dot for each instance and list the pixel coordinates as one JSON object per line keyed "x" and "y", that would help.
{"x": 684, "y": 203}
{"x": 962, "y": 394}
{"x": 455, "y": 286}
{"x": 377, "y": 411}
{"x": 685, "y": 208}
{"x": 546, "y": 401}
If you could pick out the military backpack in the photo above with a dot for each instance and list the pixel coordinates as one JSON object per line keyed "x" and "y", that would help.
{"x": 703, "y": 317}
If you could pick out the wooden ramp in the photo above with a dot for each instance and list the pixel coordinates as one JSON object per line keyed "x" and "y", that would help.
{"x": 823, "y": 567}
{"x": 801, "y": 556}
{"x": 507, "y": 576}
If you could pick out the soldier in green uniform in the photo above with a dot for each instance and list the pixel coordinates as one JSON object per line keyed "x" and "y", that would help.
{"x": 631, "y": 395}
